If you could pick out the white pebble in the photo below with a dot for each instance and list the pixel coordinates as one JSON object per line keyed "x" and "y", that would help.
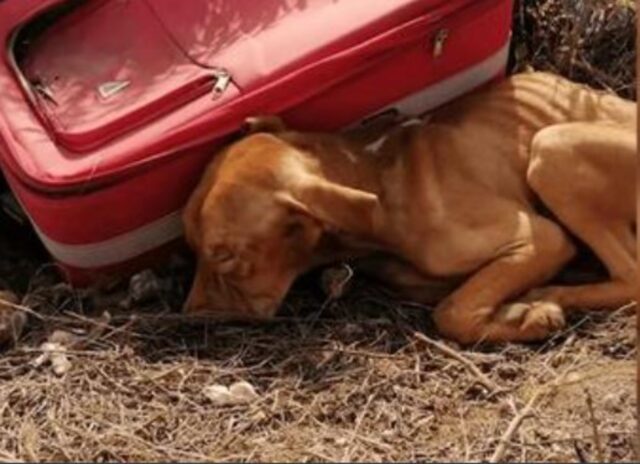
{"x": 238, "y": 393}
{"x": 243, "y": 392}
{"x": 218, "y": 395}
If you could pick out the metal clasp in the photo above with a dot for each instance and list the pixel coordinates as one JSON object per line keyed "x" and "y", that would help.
{"x": 223, "y": 80}
{"x": 110, "y": 89}
{"x": 439, "y": 42}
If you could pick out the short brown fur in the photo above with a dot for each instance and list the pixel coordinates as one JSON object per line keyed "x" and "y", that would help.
{"x": 454, "y": 200}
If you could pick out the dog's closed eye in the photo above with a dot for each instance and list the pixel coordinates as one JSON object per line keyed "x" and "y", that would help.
{"x": 293, "y": 229}
{"x": 221, "y": 254}
{"x": 223, "y": 258}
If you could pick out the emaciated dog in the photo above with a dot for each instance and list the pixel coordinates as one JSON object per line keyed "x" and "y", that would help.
{"x": 453, "y": 200}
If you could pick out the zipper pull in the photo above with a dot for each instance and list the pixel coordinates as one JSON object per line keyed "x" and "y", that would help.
{"x": 439, "y": 42}
{"x": 223, "y": 80}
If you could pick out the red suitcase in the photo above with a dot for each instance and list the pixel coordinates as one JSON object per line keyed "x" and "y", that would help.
{"x": 110, "y": 109}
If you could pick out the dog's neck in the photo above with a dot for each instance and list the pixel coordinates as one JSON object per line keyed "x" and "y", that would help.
{"x": 342, "y": 160}
{"x": 344, "y": 190}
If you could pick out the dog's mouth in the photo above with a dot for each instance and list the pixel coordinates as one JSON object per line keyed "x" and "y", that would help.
{"x": 263, "y": 307}
{"x": 234, "y": 306}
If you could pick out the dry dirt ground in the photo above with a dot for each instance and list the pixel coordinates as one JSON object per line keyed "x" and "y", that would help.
{"x": 347, "y": 380}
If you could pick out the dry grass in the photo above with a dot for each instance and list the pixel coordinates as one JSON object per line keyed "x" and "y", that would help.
{"x": 347, "y": 381}
{"x": 352, "y": 384}
{"x": 590, "y": 41}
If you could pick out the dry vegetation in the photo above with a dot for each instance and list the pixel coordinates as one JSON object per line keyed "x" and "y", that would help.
{"x": 348, "y": 380}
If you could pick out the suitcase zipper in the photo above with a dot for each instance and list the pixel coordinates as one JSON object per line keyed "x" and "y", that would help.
{"x": 216, "y": 83}
{"x": 439, "y": 42}
{"x": 222, "y": 81}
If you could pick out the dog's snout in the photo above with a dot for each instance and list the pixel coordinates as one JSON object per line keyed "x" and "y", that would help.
{"x": 265, "y": 307}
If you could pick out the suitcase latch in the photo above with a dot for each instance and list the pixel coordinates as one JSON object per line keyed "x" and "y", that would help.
{"x": 439, "y": 42}
{"x": 222, "y": 82}
{"x": 110, "y": 89}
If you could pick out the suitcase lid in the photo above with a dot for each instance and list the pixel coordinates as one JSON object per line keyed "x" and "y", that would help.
{"x": 107, "y": 68}
{"x": 258, "y": 40}
{"x": 111, "y": 66}
{"x": 274, "y": 79}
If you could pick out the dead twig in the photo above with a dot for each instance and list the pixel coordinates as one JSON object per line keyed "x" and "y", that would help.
{"x": 22, "y": 308}
{"x": 513, "y": 427}
{"x": 482, "y": 378}
{"x": 594, "y": 426}
{"x": 579, "y": 452}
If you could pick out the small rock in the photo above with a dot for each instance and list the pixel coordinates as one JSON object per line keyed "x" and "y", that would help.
{"x": 144, "y": 287}
{"x": 61, "y": 337}
{"x": 574, "y": 377}
{"x": 243, "y": 392}
{"x": 60, "y": 363}
{"x": 219, "y": 395}
{"x": 238, "y": 393}
{"x": 53, "y": 353}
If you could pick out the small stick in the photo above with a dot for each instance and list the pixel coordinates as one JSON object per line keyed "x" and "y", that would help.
{"x": 580, "y": 453}
{"x": 465, "y": 436}
{"x": 514, "y": 425}
{"x": 24, "y": 309}
{"x": 482, "y": 378}
{"x": 594, "y": 426}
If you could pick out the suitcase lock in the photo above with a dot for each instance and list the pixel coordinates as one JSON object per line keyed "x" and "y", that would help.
{"x": 439, "y": 42}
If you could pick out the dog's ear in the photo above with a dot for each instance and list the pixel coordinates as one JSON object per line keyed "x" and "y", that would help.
{"x": 269, "y": 124}
{"x": 192, "y": 211}
{"x": 191, "y": 218}
{"x": 335, "y": 206}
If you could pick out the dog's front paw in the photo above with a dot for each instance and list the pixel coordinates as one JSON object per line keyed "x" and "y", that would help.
{"x": 536, "y": 319}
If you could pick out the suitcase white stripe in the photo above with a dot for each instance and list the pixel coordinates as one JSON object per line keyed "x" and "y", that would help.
{"x": 117, "y": 249}
{"x": 453, "y": 87}
{"x": 168, "y": 228}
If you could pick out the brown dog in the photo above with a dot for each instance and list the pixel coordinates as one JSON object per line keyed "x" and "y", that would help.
{"x": 455, "y": 200}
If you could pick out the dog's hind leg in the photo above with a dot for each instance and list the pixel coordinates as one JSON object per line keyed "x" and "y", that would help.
{"x": 585, "y": 173}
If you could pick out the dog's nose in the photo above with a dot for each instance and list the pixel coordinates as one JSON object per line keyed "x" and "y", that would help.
{"x": 264, "y": 308}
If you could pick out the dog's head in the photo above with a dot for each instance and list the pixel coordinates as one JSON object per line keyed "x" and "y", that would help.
{"x": 255, "y": 221}
{"x": 251, "y": 246}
